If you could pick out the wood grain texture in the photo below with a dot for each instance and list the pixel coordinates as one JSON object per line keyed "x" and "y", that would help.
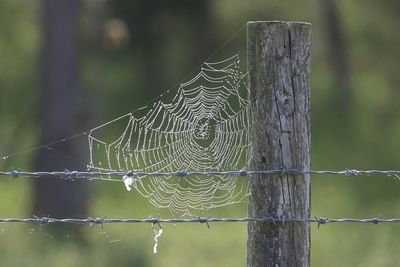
{"x": 279, "y": 94}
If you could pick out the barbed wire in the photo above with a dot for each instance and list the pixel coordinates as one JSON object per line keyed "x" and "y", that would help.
{"x": 108, "y": 176}
{"x": 92, "y": 221}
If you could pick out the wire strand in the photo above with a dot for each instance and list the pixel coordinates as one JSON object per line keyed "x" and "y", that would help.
{"x": 91, "y": 221}
{"x": 100, "y": 175}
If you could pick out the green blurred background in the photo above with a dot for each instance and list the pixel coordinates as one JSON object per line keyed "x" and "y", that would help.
{"x": 93, "y": 60}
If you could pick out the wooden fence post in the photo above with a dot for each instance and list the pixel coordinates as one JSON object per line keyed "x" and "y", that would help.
{"x": 279, "y": 93}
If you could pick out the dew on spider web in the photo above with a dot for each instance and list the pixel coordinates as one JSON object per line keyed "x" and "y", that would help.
{"x": 203, "y": 128}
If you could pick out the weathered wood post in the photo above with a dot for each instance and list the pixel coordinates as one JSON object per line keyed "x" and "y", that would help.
{"x": 279, "y": 81}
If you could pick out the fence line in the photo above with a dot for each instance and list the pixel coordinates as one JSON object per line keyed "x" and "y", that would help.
{"x": 92, "y": 221}
{"x": 99, "y": 175}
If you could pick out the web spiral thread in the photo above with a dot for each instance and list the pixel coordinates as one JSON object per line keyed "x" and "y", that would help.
{"x": 201, "y": 127}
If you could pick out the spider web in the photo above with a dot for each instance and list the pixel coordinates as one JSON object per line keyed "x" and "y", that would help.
{"x": 202, "y": 127}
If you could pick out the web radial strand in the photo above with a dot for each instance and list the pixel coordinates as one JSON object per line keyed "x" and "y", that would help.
{"x": 203, "y": 128}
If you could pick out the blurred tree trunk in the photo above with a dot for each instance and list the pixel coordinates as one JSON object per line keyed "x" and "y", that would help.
{"x": 338, "y": 56}
{"x": 59, "y": 112}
